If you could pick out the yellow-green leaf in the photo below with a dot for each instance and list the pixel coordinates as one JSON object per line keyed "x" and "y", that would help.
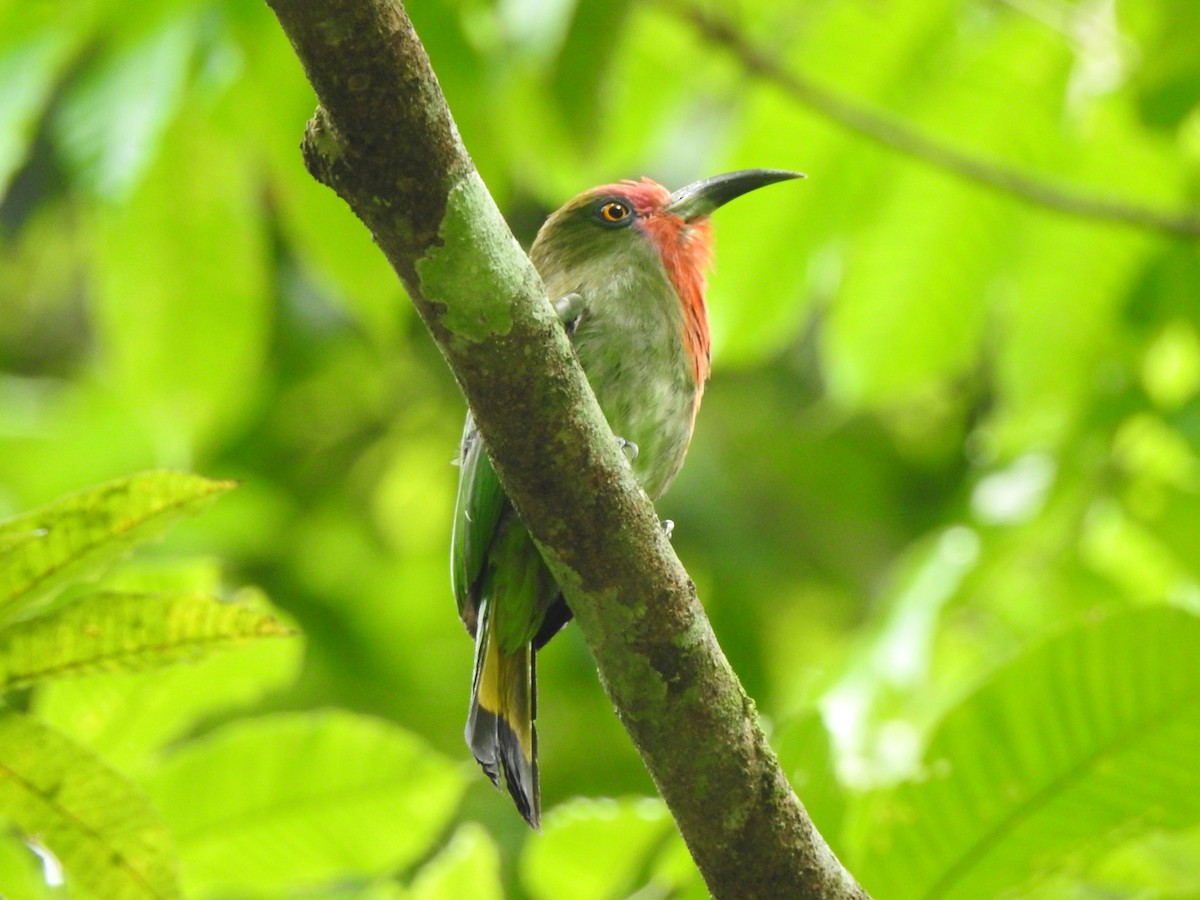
{"x": 1083, "y": 741}
{"x": 107, "y": 632}
{"x": 469, "y": 866}
{"x": 109, "y": 840}
{"x": 300, "y": 800}
{"x": 594, "y": 848}
{"x": 79, "y": 535}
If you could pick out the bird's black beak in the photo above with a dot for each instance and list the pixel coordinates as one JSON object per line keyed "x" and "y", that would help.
{"x": 701, "y": 198}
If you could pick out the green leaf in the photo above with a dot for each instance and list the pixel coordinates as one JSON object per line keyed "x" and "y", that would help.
{"x": 916, "y": 299}
{"x": 581, "y": 70}
{"x": 111, "y": 121}
{"x": 79, "y": 535}
{"x": 594, "y": 848}
{"x": 1087, "y": 739}
{"x": 109, "y": 840}
{"x": 468, "y": 866}
{"x": 184, "y": 319}
{"x": 105, "y": 632}
{"x": 129, "y": 716}
{"x": 21, "y": 871}
{"x": 336, "y": 252}
{"x": 30, "y": 65}
{"x": 294, "y": 801}
{"x": 1167, "y": 79}
{"x": 674, "y": 873}
{"x": 806, "y": 755}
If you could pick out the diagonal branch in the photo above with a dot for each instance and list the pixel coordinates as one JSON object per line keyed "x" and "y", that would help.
{"x": 900, "y": 136}
{"x": 383, "y": 138}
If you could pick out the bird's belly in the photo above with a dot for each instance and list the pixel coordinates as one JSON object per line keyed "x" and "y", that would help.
{"x": 655, "y": 412}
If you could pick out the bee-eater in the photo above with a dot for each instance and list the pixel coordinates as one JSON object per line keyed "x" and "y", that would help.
{"x": 627, "y": 264}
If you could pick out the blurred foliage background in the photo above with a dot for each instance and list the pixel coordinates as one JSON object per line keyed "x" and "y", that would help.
{"x": 948, "y": 452}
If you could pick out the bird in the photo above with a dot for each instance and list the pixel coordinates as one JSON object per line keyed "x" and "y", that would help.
{"x": 626, "y": 264}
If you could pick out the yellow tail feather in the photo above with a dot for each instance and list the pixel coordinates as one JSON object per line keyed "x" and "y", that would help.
{"x": 500, "y": 725}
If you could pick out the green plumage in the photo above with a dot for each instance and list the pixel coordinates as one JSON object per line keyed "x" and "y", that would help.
{"x": 631, "y": 257}
{"x": 627, "y": 331}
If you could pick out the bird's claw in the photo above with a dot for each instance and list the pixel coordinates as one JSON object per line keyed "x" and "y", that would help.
{"x": 667, "y": 526}
{"x": 569, "y": 308}
{"x": 629, "y": 448}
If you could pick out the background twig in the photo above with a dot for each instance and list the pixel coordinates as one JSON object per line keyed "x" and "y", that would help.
{"x": 896, "y": 134}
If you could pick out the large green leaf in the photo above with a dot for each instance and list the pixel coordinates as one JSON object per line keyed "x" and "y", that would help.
{"x": 295, "y": 801}
{"x": 77, "y": 536}
{"x": 129, "y": 716}
{"x": 331, "y": 248}
{"x": 21, "y": 870}
{"x": 594, "y": 848}
{"x": 806, "y": 756}
{"x": 1087, "y": 739}
{"x": 109, "y": 840}
{"x": 105, "y": 632}
{"x": 111, "y": 120}
{"x": 182, "y": 319}
{"x": 583, "y": 63}
{"x": 915, "y": 299}
{"x": 31, "y": 59}
{"x": 778, "y": 256}
{"x": 468, "y": 866}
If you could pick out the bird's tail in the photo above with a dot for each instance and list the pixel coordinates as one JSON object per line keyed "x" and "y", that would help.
{"x": 500, "y": 729}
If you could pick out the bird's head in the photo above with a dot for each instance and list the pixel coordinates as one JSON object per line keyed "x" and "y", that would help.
{"x": 608, "y": 238}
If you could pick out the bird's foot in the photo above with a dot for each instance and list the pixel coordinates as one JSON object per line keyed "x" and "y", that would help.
{"x": 629, "y": 448}
{"x": 668, "y": 526}
{"x": 569, "y": 308}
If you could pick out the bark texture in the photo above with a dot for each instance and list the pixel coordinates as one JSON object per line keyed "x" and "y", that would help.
{"x": 384, "y": 139}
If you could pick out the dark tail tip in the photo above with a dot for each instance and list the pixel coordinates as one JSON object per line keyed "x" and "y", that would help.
{"x": 520, "y": 774}
{"x": 497, "y": 749}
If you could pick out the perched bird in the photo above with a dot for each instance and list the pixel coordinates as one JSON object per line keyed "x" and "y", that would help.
{"x": 627, "y": 265}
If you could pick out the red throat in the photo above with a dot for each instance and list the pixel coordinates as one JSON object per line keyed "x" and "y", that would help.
{"x": 686, "y": 251}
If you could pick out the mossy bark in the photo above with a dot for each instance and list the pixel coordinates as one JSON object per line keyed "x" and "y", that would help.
{"x": 384, "y": 139}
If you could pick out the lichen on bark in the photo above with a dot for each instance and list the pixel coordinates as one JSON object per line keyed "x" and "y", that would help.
{"x": 473, "y": 287}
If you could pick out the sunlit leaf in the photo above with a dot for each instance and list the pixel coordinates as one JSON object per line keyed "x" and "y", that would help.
{"x": 912, "y": 311}
{"x": 582, "y": 67}
{"x": 130, "y": 716}
{"x": 806, "y": 755}
{"x": 112, "y": 119}
{"x": 291, "y": 801}
{"x": 594, "y": 848}
{"x": 189, "y": 371}
{"x": 1047, "y": 366}
{"x": 102, "y": 830}
{"x": 80, "y": 535}
{"x": 1081, "y": 741}
{"x": 469, "y": 866}
{"x": 106, "y": 632}
{"x": 674, "y": 873}
{"x": 21, "y": 871}
{"x": 29, "y": 66}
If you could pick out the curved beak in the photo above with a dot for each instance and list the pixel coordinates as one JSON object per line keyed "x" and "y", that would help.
{"x": 701, "y": 198}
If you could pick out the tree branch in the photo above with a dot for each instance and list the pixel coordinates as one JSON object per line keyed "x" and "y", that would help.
{"x": 900, "y": 136}
{"x": 385, "y": 141}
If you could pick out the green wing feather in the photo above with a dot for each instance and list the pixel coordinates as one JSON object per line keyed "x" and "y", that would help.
{"x": 511, "y": 606}
{"x": 477, "y": 511}
{"x": 492, "y": 555}
{"x": 503, "y": 591}
{"x": 481, "y": 501}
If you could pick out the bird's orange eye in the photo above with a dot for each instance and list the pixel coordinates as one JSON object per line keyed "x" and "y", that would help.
{"x": 613, "y": 212}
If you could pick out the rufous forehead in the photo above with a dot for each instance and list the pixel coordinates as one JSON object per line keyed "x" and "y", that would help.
{"x": 645, "y": 196}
